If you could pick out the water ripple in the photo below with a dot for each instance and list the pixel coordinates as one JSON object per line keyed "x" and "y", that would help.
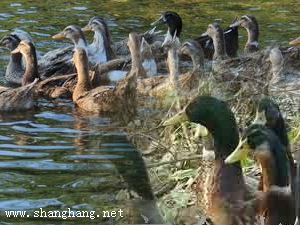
{"x": 36, "y": 147}
{"x": 23, "y": 154}
{"x": 28, "y": 204}
{"x": 47, "y": 130}
{"x": 55, "y": 116}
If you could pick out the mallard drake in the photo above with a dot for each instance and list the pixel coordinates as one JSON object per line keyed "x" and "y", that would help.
{"x": 278, "y": 206}
{"x": 118, "y": 99}
{"x": 249, "y": 22}
{"x": 268, "y": 114}
{"x": 174, "y": 22}
{"x": 15, "y": 68}
{"x": 226, "y": 197}
{"x": 100, "y": 50}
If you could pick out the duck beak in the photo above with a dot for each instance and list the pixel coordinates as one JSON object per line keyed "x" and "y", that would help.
{"x": 161, "y": 20}
{"x": 236, "y": 23}
{"x": 15, "y": 51}
{"x": 86, "y": 28}
{"x": 295, "y": 42}
{"x": 239, "y": 154}
{"x": 179, "y": 118}
{"x": 260, "y": 118}
{"x": 59, "y": 36}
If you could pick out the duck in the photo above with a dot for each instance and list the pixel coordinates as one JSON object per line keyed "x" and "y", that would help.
{"x": 171, "y": 83}
{"x": 231, "y": 43}
{"x": 264, "y": 145}
{"x": 249, "y": 22}
{"x": 227, "y": 201}
{"x": 100, "y": 50}
{"x": 283, "y": 80}
{"x": 268, "y": 114}
{"x": 15, "y": 68}
{"x": 21, "y": 98}
{"x": 121, "y": 97}
{"x": 27, "y": 49}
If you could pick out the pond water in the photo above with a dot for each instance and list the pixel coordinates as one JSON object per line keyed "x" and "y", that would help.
{"x": 56, "y": 157}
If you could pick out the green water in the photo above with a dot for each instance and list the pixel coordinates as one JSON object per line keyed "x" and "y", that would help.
{"x": 56, "y": 157}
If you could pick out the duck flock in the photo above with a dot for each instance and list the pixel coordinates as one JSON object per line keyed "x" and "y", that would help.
{"x": 111, "y": 77}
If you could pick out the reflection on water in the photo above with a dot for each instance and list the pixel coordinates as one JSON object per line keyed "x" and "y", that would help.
{"x": 55, "y": 157}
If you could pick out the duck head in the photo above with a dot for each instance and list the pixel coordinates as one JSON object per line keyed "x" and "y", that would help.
{"x": 216, "y": 116}
{"x": 24, "y": 47}
{"x": 74, "y": 33}
{"x": 10, "y": 41}
{"x": 173, "y": 20}
{"x": 215, "y": 32}
{"x": 250, "y": 23}
{"x": 267, "y": 112}
{"x": 295, "y": 41}
{"x": 193, "y": 49}
{"x": 96, "y": 23}
{"x": 264, "y": 145}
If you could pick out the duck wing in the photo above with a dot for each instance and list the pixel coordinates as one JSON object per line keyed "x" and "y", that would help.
{"x": 231, "y": 43}
{"x": 56, "y": 62}
{"x": 12, "y": 99}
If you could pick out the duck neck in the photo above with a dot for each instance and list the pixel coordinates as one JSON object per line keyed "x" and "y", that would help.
{"x": 80, "y": 43}
{"x": 252, "y": 42}
{"x": 31, "y": 68}
{"x": 173, "y": 66}
{"x": 137, "y": 66}
{"x": 277, "y": 74}
{"x": 15, "y": 63}
{"x": 97, "y": 50}
{"x": 198, "y": 63}
{"x": 84, "y": 81}
{"x": 219, "y": 46}
{"x": 268, "y": 168}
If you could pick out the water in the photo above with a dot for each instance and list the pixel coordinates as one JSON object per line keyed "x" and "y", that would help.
{"x": 56, "y": 157}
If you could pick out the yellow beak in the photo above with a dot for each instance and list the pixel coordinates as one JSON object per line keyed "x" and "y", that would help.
{"x": 86, "y": 28}
{"x": 239, "y": 154}
{"x": 179, "y": 118}
{"x": 15, "y": 51}
{"x": 295, "y": 42}
{"x": 59, "y": 36}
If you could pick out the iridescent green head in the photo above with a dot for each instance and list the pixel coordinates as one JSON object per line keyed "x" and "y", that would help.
{"x": 217, "y": 117}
